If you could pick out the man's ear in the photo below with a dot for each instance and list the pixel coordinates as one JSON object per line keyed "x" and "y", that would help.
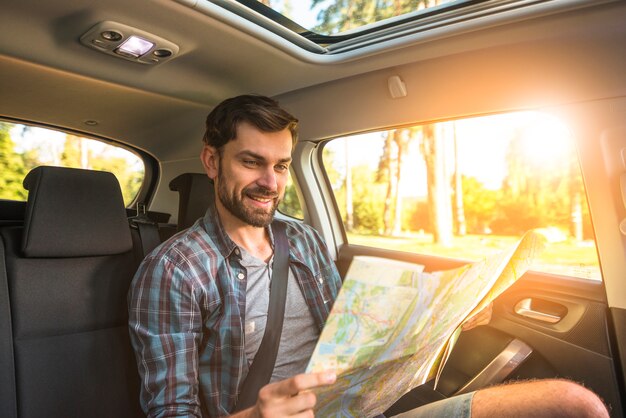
{"x": 210, "y": 160}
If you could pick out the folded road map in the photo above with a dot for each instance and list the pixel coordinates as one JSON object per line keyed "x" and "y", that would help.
{"x": 392, "y": 323}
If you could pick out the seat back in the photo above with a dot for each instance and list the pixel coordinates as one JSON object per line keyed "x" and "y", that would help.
{"x": 12, "y": 212}
{"x": 68, "y": 270}
{"x": 195, "y": 193}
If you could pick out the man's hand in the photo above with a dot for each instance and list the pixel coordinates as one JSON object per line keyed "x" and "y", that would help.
{"x": 288, "y": 398}
{"x": 481, "y": 318}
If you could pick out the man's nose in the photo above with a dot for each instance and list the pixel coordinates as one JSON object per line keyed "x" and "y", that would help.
{"x": 268, "y": 180}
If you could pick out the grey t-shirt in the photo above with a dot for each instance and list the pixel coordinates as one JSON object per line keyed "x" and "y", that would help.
{"x": 299, "y": 333}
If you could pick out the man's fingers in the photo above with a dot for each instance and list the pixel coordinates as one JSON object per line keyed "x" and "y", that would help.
{"x": 481, "y": 318}
{"x": 298, "y": 383}
{"x": 280, "y": 405}
{"x": 292, "y": 396}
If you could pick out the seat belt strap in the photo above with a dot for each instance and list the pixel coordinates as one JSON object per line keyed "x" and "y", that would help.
{"x": 147, "y": 228}
{"x": 149, "y": 236}
{"x": 261, "y": 369}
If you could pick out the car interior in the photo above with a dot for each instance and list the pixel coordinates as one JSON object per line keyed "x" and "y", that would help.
{"x": 142, "y": 76}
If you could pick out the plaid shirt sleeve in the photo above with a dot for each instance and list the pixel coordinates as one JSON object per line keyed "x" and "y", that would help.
{"x": 165, "y": 329}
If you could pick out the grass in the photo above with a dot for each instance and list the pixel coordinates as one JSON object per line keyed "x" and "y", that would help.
{"x": 569, "y": 258}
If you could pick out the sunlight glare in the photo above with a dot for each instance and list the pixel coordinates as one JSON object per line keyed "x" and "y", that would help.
{"x": 546, "y": 139}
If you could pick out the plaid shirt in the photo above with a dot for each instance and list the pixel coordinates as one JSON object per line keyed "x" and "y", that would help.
{"x": 187, "y": 304}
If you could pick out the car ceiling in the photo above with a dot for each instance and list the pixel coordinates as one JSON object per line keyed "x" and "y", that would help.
{"x": 47, "y": 76}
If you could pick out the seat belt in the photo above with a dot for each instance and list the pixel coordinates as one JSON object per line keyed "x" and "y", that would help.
{"x": 147, "y": 228}
{"x": 261, "y": 369}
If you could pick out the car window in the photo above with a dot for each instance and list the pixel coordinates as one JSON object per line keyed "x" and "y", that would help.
{"x": 24, "y": 147}
{"x": 290, "y": 205}
{"x": 466, "y": 188}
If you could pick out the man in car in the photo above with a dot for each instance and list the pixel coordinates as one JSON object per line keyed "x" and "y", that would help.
{"x": 198, "y": 303}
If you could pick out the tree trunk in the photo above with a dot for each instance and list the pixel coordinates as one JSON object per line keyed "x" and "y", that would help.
{"x": 391, "y": 183}
{"x": 349, "y": 206}
{"x": 397, "y": 219}
{"x": 459, "y": 211}
{"x": 576, "y": 190}
{"x": 439, "y": 202}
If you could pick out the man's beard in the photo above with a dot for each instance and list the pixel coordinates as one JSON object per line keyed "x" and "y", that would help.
{"x": 234, "y": 203}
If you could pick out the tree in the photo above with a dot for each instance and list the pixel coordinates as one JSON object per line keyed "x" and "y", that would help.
{"x": 385, "y": 174}
{"x": 290, "y": 204}
{"x": 402, "y": 138}
{"x": 348, "y": 185}
{"x": 368, "y": 201}
{"x": 12, "y": 167}
{"x": 459, "y": 209}
{"x": 438, "y": 185}
{"x": 479, "y": 204}
{"x": 390, "y": 167}
{"x": 343, "y": 15}
{"x": 576, "y": 191}
{"x": 75, "y": 152}
{"x": 336, "y": 176}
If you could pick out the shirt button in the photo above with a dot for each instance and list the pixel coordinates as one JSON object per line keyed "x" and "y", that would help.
{"x": 237, "y": 251}
{"x": 241, "y": 276}
{"x": 320, "y": 279}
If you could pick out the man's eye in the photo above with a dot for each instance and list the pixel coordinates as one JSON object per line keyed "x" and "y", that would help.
{"x": 250, "y": 163}
{"x": 282, "y": 168}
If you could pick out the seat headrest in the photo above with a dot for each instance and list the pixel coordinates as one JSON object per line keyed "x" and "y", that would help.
{"x": 196, "y": 193}
{"x": 74, "y": 213}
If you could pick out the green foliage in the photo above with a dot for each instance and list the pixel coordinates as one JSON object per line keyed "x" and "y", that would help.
{"x": 368, "y": 198}
{"x": 479, "y": 205}
{"x": 72, "y": 154}
{"x": 417, "y": 215}
{"x": 330, "y": 166}
{"x": 290, "y": 205}
{"x": 344, "y": 15}
{"x": 130, "y": 180}
{"x": 11, "y": 166}
{"x": 367, "y": 195}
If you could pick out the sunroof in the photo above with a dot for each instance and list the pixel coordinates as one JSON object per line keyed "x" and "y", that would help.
{"x": 340, "y": 26}
{"x": 337, "y": 17}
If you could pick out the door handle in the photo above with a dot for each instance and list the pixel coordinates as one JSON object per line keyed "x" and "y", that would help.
{"x": 525, "y": 308}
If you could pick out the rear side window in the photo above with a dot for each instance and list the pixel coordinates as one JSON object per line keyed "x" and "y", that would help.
{"x": 466, "y": 188}
{"x": 24, "y": 147}
{"x": 290, "y": 204}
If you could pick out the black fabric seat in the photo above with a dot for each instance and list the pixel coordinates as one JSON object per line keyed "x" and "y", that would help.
{"x": 12, "y": 212}
{"x": 67, "y": 273}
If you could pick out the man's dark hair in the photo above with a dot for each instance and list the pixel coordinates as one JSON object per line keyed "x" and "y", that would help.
{"x": 261, "y": 112}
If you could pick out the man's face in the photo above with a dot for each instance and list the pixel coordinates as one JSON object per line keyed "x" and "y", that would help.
{"x": 252, "y": 173}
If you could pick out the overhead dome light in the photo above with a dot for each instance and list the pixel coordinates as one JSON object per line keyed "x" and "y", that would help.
{"x": 134, "y": 46}
{"x": 130, "y": 43}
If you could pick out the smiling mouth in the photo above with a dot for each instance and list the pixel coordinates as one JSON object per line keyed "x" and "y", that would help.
{"x": 261, "y": 196}
{"x": 264, "y": 200}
